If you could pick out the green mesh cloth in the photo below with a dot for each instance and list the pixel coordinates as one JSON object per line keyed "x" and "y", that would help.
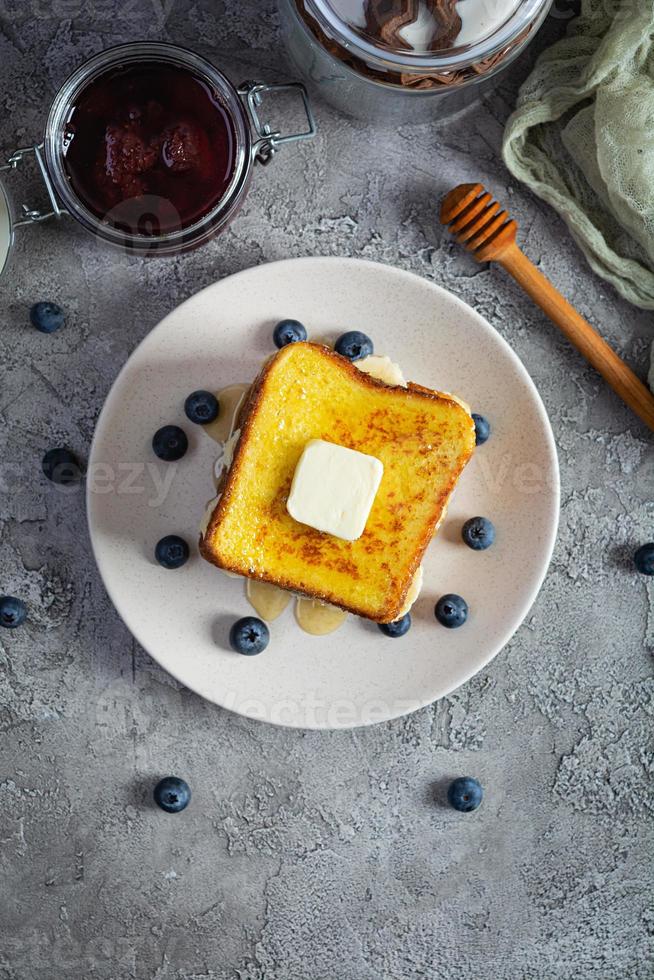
{"x": 582, "y": 138}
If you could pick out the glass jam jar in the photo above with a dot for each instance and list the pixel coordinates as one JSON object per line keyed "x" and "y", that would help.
{"x": 399, "y": 60}
{"x": 150, "y": 147}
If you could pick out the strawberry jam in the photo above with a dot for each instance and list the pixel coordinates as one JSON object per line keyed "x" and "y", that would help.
{"x": 150, "y": 149}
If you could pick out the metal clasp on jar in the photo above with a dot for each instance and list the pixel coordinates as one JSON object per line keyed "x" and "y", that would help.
{"x": 32, "y": 215}
{"x": 270, "y": 140}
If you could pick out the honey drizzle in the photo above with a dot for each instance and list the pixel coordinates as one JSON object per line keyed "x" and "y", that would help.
{"x": 230, "y": 399}
{"x": 318, "y": 618}
{"x": 269, "y": 601}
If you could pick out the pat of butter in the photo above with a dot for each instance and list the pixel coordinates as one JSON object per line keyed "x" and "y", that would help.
{"x": 414, "y": 591}
{"x": 226, "y": 457}
{"x": 208, "y": 514}
{"x": 334, "y": 488}
{"x": 381, "y": 367}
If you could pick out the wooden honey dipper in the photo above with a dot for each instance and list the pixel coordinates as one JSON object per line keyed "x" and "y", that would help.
{"x": 480, "y": 225}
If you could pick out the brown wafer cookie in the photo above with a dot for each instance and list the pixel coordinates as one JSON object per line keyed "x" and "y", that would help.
{"x": 435, "y": 80}
{"x": 448, "y": 24}
{"x": 486, "y": 64}
{"x": 386, "y": 18}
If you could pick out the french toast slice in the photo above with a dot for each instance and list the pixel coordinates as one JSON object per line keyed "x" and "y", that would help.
{"x": 306, "y": 391}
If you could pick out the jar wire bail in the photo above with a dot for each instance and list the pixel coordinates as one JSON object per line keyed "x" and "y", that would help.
{"x": 270, "y": 140}
{"x": 33, "y": 215}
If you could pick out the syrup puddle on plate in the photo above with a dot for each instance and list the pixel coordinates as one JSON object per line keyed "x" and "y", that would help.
{"x": 269, "y": 601}
{"x": 230, "y": 400}
{"x": 318, "y": 618}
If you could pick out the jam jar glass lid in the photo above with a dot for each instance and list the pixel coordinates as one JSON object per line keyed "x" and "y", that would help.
{"x": 425, "y": 35}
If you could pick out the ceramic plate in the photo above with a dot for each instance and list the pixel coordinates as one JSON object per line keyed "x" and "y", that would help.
{"x": 355, "y": 676}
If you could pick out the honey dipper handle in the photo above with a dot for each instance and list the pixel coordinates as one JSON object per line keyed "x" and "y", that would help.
{"x": 580, "y": 333}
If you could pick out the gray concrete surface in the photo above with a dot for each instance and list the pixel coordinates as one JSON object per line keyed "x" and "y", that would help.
{"x": 314, "y": 856}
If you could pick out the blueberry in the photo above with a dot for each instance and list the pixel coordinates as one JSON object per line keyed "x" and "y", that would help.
{"x": 61, "y": 466}
{"x": 47, "y": 317}
{"x": 478, "y": 533}
{"x": 644, "y": 559}
{"x": 482, "y": 428}
{"x": 172, "y": 551}
{"x": 354, "y": 345}
{"x": 289, "y": 332}
{"x": 451, "y": 610}
{"x": 249, "y": 636}
{"x": 172, "y": 794}
{"x": 398, "y": 628}
{"x": 13, "y": 612}
{"x": 465, "y": 794}
{"x": 201, "y": 407}
{"x": 169, "y": 443}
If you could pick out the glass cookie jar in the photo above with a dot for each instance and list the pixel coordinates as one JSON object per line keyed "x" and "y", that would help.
{"x": 150, "y": 147}
{"x": 406, "y": 60}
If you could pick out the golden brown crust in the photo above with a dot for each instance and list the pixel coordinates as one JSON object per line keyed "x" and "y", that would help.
{"x": 247, "y": 417}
